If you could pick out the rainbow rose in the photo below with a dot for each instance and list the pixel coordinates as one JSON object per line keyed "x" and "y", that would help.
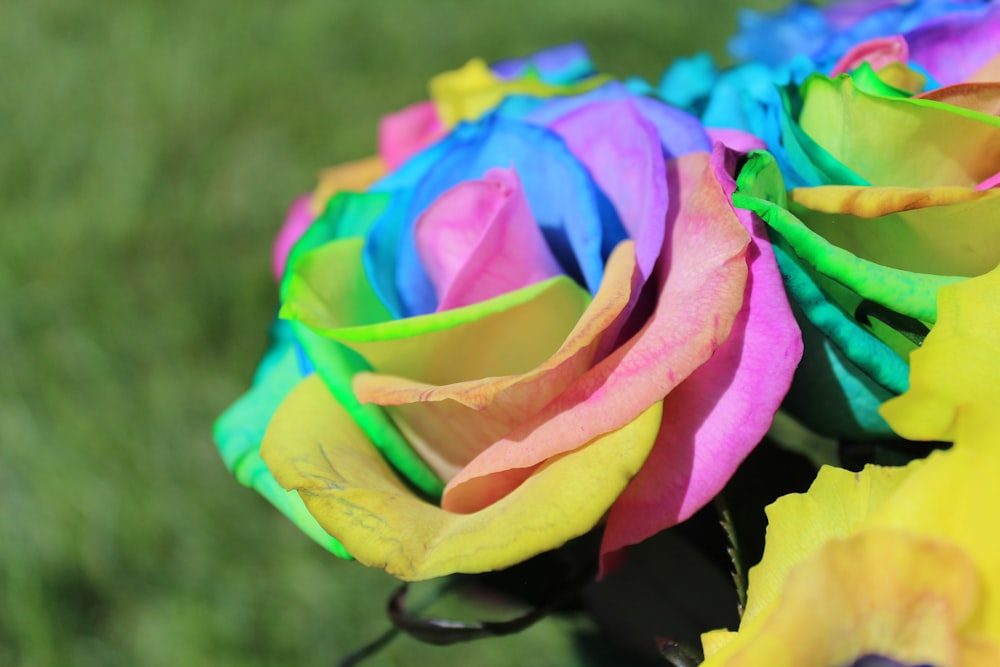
{"x": 536, "y": 311}
{"x": 879, "y": 183}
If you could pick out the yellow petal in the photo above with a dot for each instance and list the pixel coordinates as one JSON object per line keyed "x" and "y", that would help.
{"x": 470, "y": 91}
{"x": 947, "y": 231}
{"x": 957, "y": 368}
{"x": 800, "y": 524}
{"x": 879, "y": 592}
{"x": 313, "y": 446}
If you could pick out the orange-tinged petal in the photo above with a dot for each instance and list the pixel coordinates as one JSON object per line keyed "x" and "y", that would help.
{"x": 315, "y": 448}
{"x": 989, "y": 72}
{"x": 702, "y": 276}
{"x": 981, "y": 97}
{"x": 329, "y": 292}
{"x": 353, "y": 176}
{"x": 471, "y": 411}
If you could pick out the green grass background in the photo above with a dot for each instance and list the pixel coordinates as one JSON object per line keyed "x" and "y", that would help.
{"x": 149, "y": 150}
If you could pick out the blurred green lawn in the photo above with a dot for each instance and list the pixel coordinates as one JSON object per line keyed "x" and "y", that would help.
{"x": 149, "y": 151}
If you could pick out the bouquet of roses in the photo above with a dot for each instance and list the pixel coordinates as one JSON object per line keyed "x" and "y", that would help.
{"x": 558, "y": 305}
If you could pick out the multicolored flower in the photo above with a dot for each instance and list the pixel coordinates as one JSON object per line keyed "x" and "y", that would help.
{"x": 546, "y": 311}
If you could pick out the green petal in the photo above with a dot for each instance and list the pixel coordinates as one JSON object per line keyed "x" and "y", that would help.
{"x": 945, "y": 231}
{"x": 328, "y": 282}
{"x": 337, "y": 365}
{"x": 905, "y": 292}
{"x": 240, "y": 430}
{"x": 508, "y": 334}
{"x": 899, "y": 141}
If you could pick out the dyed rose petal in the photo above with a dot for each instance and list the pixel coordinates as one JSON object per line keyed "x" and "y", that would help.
{"x": 738, "y": 140}
{"x": 353, "y": 176}
{"x": 991, "y": 182}
{"x": 479, "y": 240}
{"x": 878, "y": 53}
{"x": 981, "y": 97}
{"x": 478, "y": 412}
{"x": 713, "y": 419}
{"x": 953, "y": 50}
{"x": 408, "y": 131}
{"x": 297, "y": 221}
{"x": 701, "y": 287}
{"x": 989, "y": 72}
{"x": 314, "y": 446}
{"x": 621, "y": 150}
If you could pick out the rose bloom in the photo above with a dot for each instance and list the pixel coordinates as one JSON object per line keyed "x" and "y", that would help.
{"x": 879, "y": 181}
{"x": 535, "y": 311}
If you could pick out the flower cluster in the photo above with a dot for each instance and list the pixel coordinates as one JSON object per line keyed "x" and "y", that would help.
{"x": 556, "y": 302}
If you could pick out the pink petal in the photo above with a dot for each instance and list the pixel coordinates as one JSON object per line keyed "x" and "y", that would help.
{"x": 714, "y": 418}
{"x": 738, "y": 140}
{"x": 407, "y": 132}
{"x": 954, "y": 50}
{"x": 877, "y": 52}
{"x": 479, "y": 240}
{"x": 702, "y": 275}
{"x": 622, "y": 151}
{"x": 991, "y": 182}
{"x": 297, "y": 221}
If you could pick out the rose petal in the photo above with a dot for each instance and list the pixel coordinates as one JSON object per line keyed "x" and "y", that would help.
{"x": 558, "y": 64}
{"x": 990, "y": 72}
{"x": 953, "y": 49}
{"x": 882, "y": 593}
{"x": 846, "y": 371}
{"x": 911, "y": 134}
{"x": 470, "y": 91}
{"x": 477, "y": 412}
{"x": 239, "y": 432}
{"x": 562, "y": 195}
{"x": 507, "y": 335}
{"x": 313, "y": 446}
{"x": 991, "y": 182}
{"x": 878, "y": 53}
{"x": 738, "y": 140}
{"x": 408, "y": 131}
{"x": 715, "y": 417}
{"x": 297, "y": 221}
{"x": 349, "y": 214}
{"x": 621, "y": 149}
{"x": 981, "y": 97}
{"x": 479, "y": 240}
{"x": 353, "y": 176}
{"x": 679, "y": 132}
{"x": 943, "y": 231}
{"x": 905, "y": 292}
{"x": 955, "y": 370}
{"x": 702, "y": 278}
